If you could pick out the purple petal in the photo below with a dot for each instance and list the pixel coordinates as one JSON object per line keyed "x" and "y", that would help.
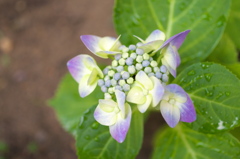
{"x": 188, "y": 113}
{"x": 77, "y": 67}
{"x": 176, "y": 89}
{"x": 120, "y": 129}
{"x": 91, "y": 42}
{"x": 170, "y": 113}
{"x": 177, "y": 39}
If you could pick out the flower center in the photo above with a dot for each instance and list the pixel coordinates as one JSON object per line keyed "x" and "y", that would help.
{"x": 172, "y": 101}
{"x": 120, "y": 75}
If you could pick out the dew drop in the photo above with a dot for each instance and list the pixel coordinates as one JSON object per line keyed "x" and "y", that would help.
{"x": 95, "y": 125}
{"x": 96, "y": 139}
{"x": 208, "y": 92}
{"x": 87, "y": 111}
{"x": 192, "y": 72}
{"x": 206, "y": 16}
{"x": 205, "y": 65}
{"x": 227, "y": 94}
{"x": 208, "y": 76}
{"x": 221, "y": 21}
{"x": 135, "y": 19}
{"x": 220, "y": 94}
{"x": 87, "y": 137}
{"x": 81, "y": 123}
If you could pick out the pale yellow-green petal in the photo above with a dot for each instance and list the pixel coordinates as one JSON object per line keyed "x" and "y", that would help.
{"x": 135, "y": 95}
{"x": 93, "y": 77}
{"x": 146, "y": 82}
{"x": 143, "y": 107}
{"x": 84, "y": 88}
{"x": 107, "y": 105}
{"x": 116, "y": 45}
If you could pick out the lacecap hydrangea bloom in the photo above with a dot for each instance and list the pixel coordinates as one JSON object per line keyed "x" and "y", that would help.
{"x": 138, "y": 75}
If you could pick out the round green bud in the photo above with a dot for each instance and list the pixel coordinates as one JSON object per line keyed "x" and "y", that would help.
{"x": 153, "y": 63}
{"x": 122, "y": 82}
{"x": 107, "y": 96}
{"x": 111, "y": 73}
{"x": 111, "y": 90}
{"x": 106, "y": 78}
{"x": 130, "y": 80}
{"x": 146, "y": 56}
{"x": 125, "y": 55}
{"x": 139, "y": 66}
{"x": 113, "y": 82}
{"x": 148, "y": 70}
{"x": 133, "y": 55}
{"x": 114, "y": 63}
{"x": 122, "y": 61}
{"x": 125, "y": 49}
{"x": 131, "y": 69}
{"x": 156, "y": 69}
{"x": 139, "y": 58}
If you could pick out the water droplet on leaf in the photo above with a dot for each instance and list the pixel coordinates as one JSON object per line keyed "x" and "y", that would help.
{"x": 208, "y": 76}
{"x": 95, "y": 125}
{"x": 192, "y": 72}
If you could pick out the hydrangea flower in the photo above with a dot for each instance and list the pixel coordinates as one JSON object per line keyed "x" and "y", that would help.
{"x": 176, "y": 106}
{"x": 138, "y": 75}
{"x": 85, "y": 71}
{"x": 145, "y": 91}
{"x": 116, "y": 115}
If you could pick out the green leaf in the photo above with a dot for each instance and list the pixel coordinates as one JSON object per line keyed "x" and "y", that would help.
{"x": 234, "y": 68}
{"x": 215, "y": 93}
{"x": 94, "y": 140}
{"x": 225, "y": 52}
{"x": 184, "y": 143}
{"x": 69, "y": 106}
{"x": 233, "y": 25}
{"x": 206, "y": 19}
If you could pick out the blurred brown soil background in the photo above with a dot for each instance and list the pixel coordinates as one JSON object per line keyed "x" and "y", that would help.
{"x": 37, "y": 38}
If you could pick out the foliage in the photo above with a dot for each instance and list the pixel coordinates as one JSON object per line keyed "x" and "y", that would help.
{"x": 214, "y": 88}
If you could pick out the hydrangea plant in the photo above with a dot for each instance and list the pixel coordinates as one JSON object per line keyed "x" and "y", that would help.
{"x": 158, "y": 64}
{"x": 138, "y": 75}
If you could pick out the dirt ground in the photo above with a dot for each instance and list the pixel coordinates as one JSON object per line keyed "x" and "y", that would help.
{"x": 37, "y": 38}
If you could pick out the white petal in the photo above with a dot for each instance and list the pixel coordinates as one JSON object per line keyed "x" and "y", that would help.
{"x": 157, "y": 91}
{"x": 156, "y": 35}
{"x": 150, "y": 46}
{"x": 106, "y": 43}
{"x": 169, "y": 56}
{"x": 170, "y": 113}
{"x": 116, "y": 45}
{"x": 107, "y": 105}
{"x": 105, "y": 118}
{"x": 84, "y": 88}
{"x": 121, "y": 101}
{"x": 143, "y": 79}
{"x": 143, "y": 107}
